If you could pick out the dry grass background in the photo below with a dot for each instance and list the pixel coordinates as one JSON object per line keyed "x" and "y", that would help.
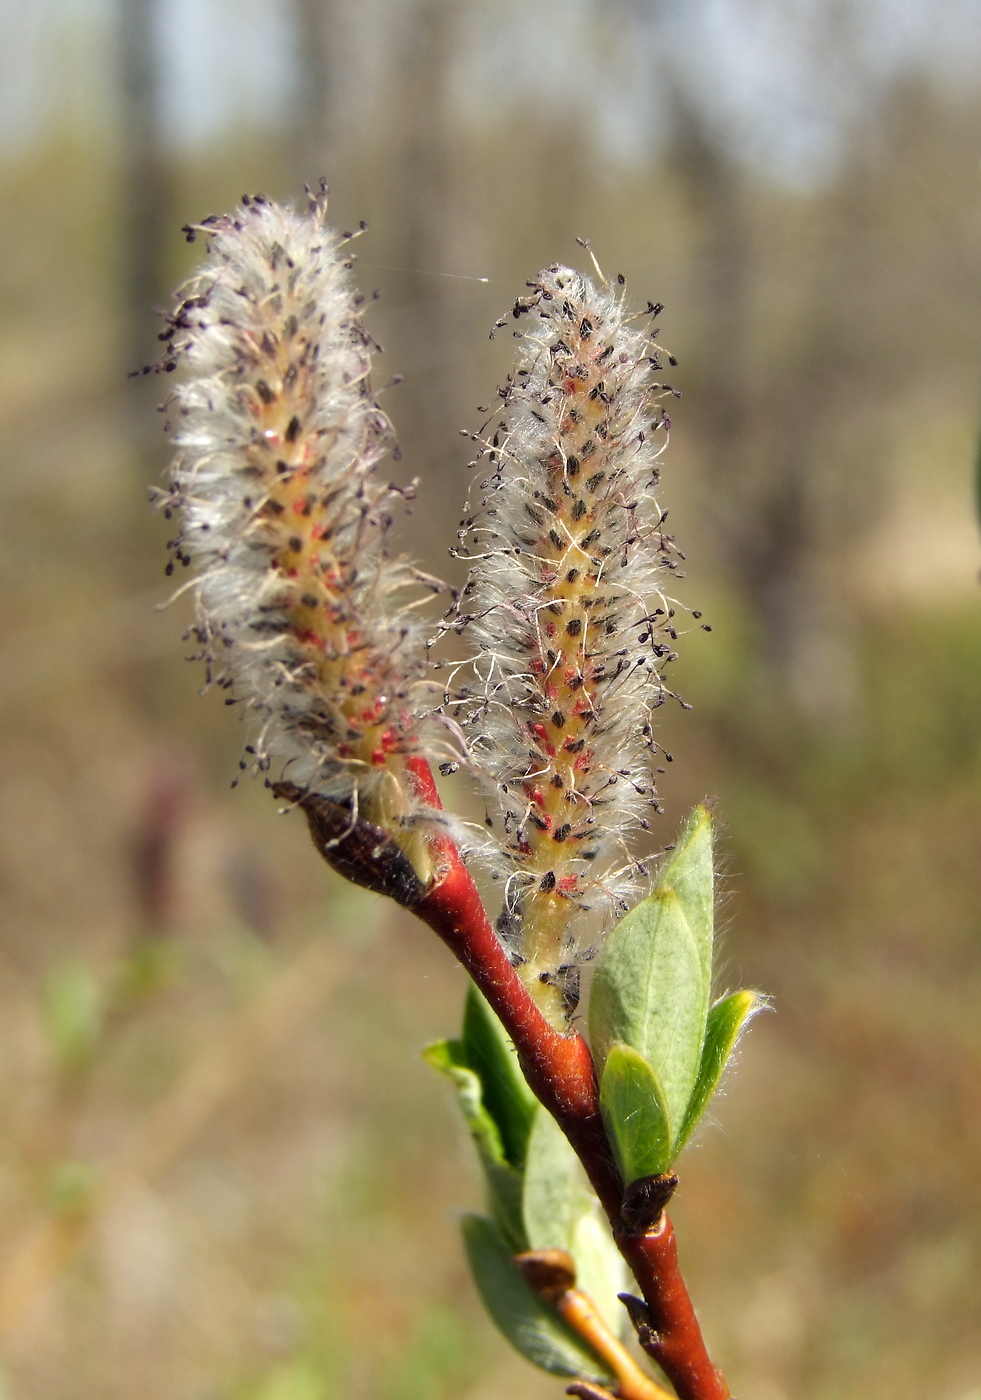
{"x": 224, "y": 1170}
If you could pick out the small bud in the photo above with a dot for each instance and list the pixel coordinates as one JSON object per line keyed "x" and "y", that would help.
{"x": 548, "y": 1272}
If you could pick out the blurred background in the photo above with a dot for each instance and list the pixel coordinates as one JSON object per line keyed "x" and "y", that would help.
{"x": 225, "y": 1173}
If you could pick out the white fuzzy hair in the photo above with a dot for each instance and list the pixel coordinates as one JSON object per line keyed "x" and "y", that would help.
{"x": 567, "y": 604}
{"x": 277, "y": 436}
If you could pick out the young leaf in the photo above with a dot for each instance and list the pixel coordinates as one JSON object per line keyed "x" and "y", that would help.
{"x": 726, "y": 1022}
{"x": 531, "y": 1325}
{"x": 504, "y": 1183}
{"x": 691, "y": 874}
{"x": 635, "y": 1113}
{"x": 490, "y": 1054}
{"x": 561, "y": 1212}
{"x": 651, "y": 989}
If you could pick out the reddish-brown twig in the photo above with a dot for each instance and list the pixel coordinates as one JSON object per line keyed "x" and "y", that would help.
{"x": 558, "y": 1066}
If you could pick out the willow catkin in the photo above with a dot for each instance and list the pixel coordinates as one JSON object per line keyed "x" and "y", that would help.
{"x": 566, "y": 606}
{"x": 277, "y": 437}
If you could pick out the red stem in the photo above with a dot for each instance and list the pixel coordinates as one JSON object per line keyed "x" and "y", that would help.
{"x": 559, "y": 1070}
{"x": 677, "y": 1344}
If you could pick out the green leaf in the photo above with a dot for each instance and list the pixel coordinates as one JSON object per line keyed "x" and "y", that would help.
{"x": 561, "y": 1212}
{"x": 504, "y": 1183}
{"x": 600, "y": 1270}
{"x": 690, "y": 873}
{"x": 531, "y": 1325}
{"x": 636, "y": 1114}
{"x": 491, "y": 1055}
{"x": 726, "y": 1022}
{"x": 556, "y": 1191}
{"x": 651, "y": 988}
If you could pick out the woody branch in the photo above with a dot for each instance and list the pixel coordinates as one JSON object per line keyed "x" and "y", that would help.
{"x": 557, "y": 1065}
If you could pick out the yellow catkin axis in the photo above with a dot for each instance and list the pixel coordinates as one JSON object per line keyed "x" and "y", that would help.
{"x": 299, "y": 521}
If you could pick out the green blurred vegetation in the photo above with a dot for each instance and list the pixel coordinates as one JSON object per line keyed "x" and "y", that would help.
{"x": 284, "y": 1177}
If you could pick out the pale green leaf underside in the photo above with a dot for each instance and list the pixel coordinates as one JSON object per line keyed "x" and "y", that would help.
{"x": 726, "y": 1021}
{"x": 447, "y": 1056}
{"x": 504, "y": 1183}
{"x": 561, "y": 1212}
{"x": 600, "y": 1270}
{"x": 556, "y": 1191}
{"x": 635, "y": 1113}
{"x": 532, "y": 1326}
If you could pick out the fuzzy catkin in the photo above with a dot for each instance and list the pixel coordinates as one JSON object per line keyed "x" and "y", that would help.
{"x": 565, "y": 604}
{"x": 277, "y": 437}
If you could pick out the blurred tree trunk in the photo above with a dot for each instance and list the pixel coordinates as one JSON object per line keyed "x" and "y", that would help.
{"x": 771, "y": 486}
{"x": 713, "y": 184}
{"x": 317, "y": 24}
{"x": 769, "y": 495}
{"x": 757, "y": 502}
{"x": 144, "y": 182}
{"x": 145, "y": 190}
{"x": 819, "y": 490}
{"x": 425, "y": 210}
{"x": 423, "y": 66}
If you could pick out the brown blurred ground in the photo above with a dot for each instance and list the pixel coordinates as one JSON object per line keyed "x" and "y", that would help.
{"x": 237, "y": 1179}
